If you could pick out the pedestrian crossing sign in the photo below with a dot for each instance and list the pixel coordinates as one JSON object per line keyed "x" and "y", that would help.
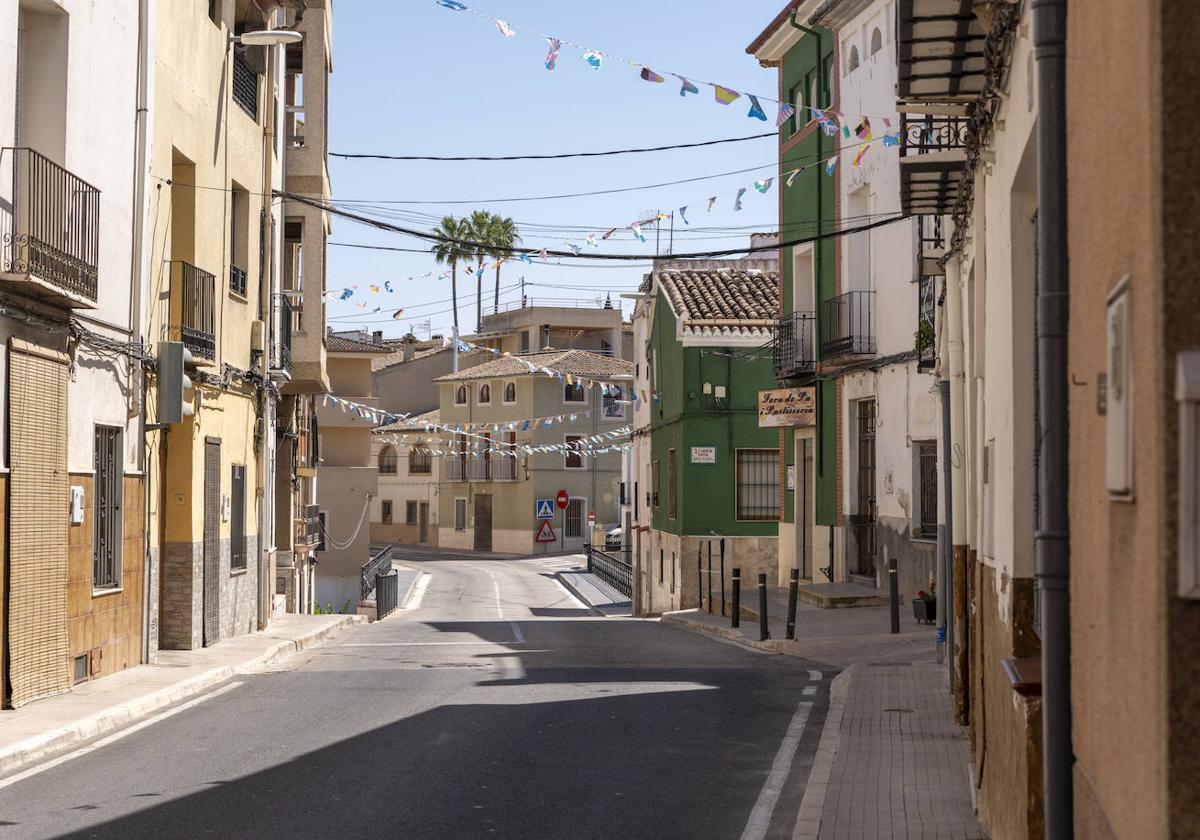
{"x": 545, "y": 533}
{"x": 544, "y": 509}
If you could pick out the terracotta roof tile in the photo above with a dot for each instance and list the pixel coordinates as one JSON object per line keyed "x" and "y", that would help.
{"x": 722, "y": 302}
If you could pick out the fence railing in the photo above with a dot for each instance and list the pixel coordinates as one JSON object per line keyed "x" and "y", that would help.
{"x": 504, "y": 469}
{"x": 924, "y": 133}
{"x": 283, "y": 341}
{"x": 616, "y": 571}
{"x": 795, "y": 345}
{"x": 563, "y": 303}
{"x": 51, "y": 230}
{"x": 197, "y": 311}
{"x": 848, "y": 324}
{"x": 379, "y": 564}
{"x": 308, "y": 527}
{"x": 387, "y": 593}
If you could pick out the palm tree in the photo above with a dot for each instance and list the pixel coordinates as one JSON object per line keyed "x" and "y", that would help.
{"x": 504, "y": 237}
{"x": 480, "y": 227}
{"x": 452, "y": 233}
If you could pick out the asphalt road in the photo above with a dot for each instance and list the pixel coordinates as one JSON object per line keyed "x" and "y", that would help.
{"x": 498, "y": 707}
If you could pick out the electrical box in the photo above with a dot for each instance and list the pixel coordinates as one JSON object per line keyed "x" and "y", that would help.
{"x": 76, "y": 504}
{"x": 258, "y": 336}
{"x": 175, "y": 392}
{"x": 1118, "y": 416}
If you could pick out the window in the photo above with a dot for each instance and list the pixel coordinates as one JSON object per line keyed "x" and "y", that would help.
{"x": 661, "y": 564}
{"x": 573, "y": 519}
{"x": 245, "y": 82}
{"x": 672, "y": 485}
{"x": 757, "y": 478}
{"x": 573, "y": 454}
{"x": 573, "y": 393}
{"x": 505, "y": 466}
{"x": 485, "y": 394}
{"x": 654, "y": 474}
{"x": 460, "y": 395}
{"x": 420, "y": 460}
{"x": 614, "y": 409}
{"x": 852, "y": 61}
{"x": 876, "y": 41}
{"x": 927, "y": 489}
{"x": 239, "y": 244}
{"x": 237, "y": 520}
{"x": 387, "y": 461}
{"x": 605, "y": 348}
{"x": 107, "y": 530}
{"x": 460, "y": 514}
{"x": 802, "y": 116}
{"x": 386, "y": 514}
{"x": 214, "y": 11}
{"x": 826, "y": 81}
{"x": 524, "y": 341}
{"x": 321, "y": 541}
{"x": 510, "y": 392}
{"x": 410, "y": 513}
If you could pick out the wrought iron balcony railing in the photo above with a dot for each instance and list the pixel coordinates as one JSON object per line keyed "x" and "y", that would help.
{"x": 50, "y": 233}
{"x": 504, "y": 468}
{"x": 921, "y": 134}
{"x": 795, "y": 345}
{"x": 245, "y": 85}
{"x": 456, "y": 469}
{"x": 308, "y": 527}
{"x": 282, "y": 357}
{"x": 195, "y": 295}
{"x": 848, "y": 325}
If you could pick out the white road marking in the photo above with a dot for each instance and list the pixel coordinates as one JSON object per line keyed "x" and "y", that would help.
{"x": 809, "y": 690}
{"x": 768, "y": 797}
{"x": 116, "y": 736}
{"x": 496, "y": 588}
{"x": 417, "y": 593}
{"x": 815, "y": 676}
{"x": 431, "y": 644}
{"x": 517, "y": 634}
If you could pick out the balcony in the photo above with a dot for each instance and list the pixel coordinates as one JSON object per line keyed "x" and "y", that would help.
{"x": 308, "y": 527}
{"x": 504, "y": 469}
{"x": 933, "y": 160}
{"x": 848, "y": 325}
{"x": 281, "y": 356}
{"x": 456, "y": 469}
{"x": 926, "y": 337}
{"x": 193, "y": 309}
{"x": 50, "y": 235}
{"x": 931, "y": 246}
{"x": 941, "y": 50}
{"x": 795, "y": 348}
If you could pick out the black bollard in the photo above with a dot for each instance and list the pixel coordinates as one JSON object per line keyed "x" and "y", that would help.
{"x": 793, "y": 593}
{"x": 736, "y": 618}
{"x": 894, "y": 593}
{"x": 763, "y": 632}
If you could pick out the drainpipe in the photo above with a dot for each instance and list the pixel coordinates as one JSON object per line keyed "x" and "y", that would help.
{"x": 956, "y": 549}
{"x": 1051, "y": 539}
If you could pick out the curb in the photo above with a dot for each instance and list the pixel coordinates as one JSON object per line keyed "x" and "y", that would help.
{"x": 680, "y": 619}
{"x": 22, "y": 753}
{"x": 812, "y": 806}
{"x": 578, "y": 595}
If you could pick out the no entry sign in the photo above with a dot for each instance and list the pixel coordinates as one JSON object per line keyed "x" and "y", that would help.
{"x": 562, "y": 499}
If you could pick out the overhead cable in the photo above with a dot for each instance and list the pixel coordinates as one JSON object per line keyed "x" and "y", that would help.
{"x": 558, "y": 156}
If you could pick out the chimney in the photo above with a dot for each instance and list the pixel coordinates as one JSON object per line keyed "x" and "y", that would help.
{"x": 410, "y": 344}
{"x": 377, "y": 336}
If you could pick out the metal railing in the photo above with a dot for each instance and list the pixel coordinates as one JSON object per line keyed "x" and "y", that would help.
{"x": 926, "y": 335}
{"x": 479, "y": 469}
{"x": 795, "y": 345}
{"x": 387, "y": 593}
{"x": 197, "y": 312}
{"x": 420, "y": 463}
{"x": 504, "y": 468}
{"x": 847, "y": 325}
{"x": 456, "y": 469}
{"x": 51, "y": 231}
{"x": 283, "y": 341}
{"x": 921, "y": 134}
{"x": 245, "y": 84}
{"x": 930, "y": 233}
{"x": 308, "y": 527}
{"x": 379, "y": 564}
{"x": 387, "y": 464}
{"x": 616, "y": 571}
{"x": 564, "y": 303}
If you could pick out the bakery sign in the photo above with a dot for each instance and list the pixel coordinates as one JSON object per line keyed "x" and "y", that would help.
{"x": 779, "y": 407}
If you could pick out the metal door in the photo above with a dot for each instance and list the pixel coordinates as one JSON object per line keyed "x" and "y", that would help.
{"x": 212, "y": 541}
{"x": 483, "y": 522}
{"x": 804, "y": 510}
{"x": 423, "y": 521}
{"x": 864, "y": 565}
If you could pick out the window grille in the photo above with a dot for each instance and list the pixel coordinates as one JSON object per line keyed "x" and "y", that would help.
{"x": 237, "y": 519}
{"x": 927, "y": 468}
{"x": 245, "y": 84}
{"x": 420, "y": 462}
{"x": 387, "y": 461}
{"x": 672, "y": 485}
{"x": 386, "y": 516}
{"x": 410, "y": 513}
{"x": 613, "y": 408}
{"x": 460, "y": 395}
{"x": 510, "y": 392}
{"x": 106, "y": 509}
{"x": 485, "y": 394}
{"x": 573, "y": 393}
{"x": 758, "y": 484}
{"x": 573, "y": 526}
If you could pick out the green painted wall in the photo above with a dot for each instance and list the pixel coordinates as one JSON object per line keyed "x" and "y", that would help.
{"x": 683, "y": 417}
{"x": 808, "y": 210}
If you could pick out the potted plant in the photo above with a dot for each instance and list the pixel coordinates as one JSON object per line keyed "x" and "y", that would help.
{"x": 925, "y": 605}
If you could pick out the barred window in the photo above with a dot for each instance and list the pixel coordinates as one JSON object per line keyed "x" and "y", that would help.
{"x": 510, "y": 392}
{"x": 572, "y": 455}
{"x": 387, "y": 461}
{"x": 410, "y": 513}
{"x": 387, "y": 512}
{"x": 573, "y": 393}
{"x": 758, "y": 484}
{"x": 460, "y": 514}
{"x": 927, "y": 490}
{"x": 237, "y": 519}
{"x": 420, "y": 461}
{"x": 106, "y": 509}
{"x": 672, "y": 485}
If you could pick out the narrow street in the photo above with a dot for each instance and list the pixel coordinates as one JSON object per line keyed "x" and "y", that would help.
{"x": 496, "y": 705}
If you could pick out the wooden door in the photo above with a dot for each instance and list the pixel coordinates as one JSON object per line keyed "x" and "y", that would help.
{"x": 483, "y": 522}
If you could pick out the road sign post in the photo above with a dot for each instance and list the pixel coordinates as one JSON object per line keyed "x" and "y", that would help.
{"x": 562, "y": 500}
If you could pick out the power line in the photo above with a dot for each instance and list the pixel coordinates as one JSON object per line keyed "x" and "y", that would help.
{"x": 555, "y": 157}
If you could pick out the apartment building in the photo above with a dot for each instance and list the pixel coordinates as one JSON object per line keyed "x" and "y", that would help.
{"x": 347, "y": 475}
{"x": 534, "y": 324}
{"x": 522, "y": 434}
{"x": 73, "y": 147}
{"x": 216, "y": 159}
{"x": 406, "y": 510}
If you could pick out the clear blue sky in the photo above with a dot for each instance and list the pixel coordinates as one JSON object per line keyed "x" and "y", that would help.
{"x": 412, "y": 77}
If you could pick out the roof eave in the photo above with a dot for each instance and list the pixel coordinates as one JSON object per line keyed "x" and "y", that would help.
{"x": 772, "y": 43}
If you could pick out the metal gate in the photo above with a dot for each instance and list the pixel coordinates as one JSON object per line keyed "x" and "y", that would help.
{"x": 573, "y": 520}
{"x": 212, "y": 541}
{"x": 107, "y": 528}
{"x": 864, "y": 521}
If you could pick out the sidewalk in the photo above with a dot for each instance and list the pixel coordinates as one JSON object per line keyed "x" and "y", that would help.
{"x": 594, "y": 592}
{"x": 97, "y": 708}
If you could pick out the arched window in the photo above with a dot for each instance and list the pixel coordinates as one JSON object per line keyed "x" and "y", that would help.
{"x": 485, "y": 394}
{"x": 460, "y": 395}
{"x": 876, "y": 41}
{"x": 510, "y": 392}
{"x": 852, "y": 61}
{"x": 387, "y": 461}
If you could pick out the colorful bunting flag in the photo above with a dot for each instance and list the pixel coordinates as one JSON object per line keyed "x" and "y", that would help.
{"x": 637, "y": 231}
{"x": 785, "y": 113}
{"x": 387, "y": 285}
{"x": 575, "y": 249}
{"x": 764, "y": 185}
{"x": 756, "y": 112}
{"x": 724, "y": 95}
{"x": 891, "y": 139}
{"x": 552, "y": 56}
{"x": 505, "y": 29}
{"x": 453, "y": 5}
{"x": 591, "y": 240}
{"x": 830, "y": 165}
{"x": 792, "y": 175}
{"x": 609, "y": 234}
{"x": 374, "y": 288}
{"x": 594, "y": 59}
{"x": 649, "y": 75}
{"x": 683, "y": 214}
{"x": 827, "y": 124}
{"x": 543, "y": 255}
{"x": 711, "y": 202}
{"x": 346, "y": 294}
{"x": 686, "y": 87}
{"x": 861, "y": 152}
{"x": 737, "y": 202}
{"x": 863, "y": 130}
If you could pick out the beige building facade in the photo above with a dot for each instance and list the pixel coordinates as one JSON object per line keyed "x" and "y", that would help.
{"x": 406, "y": 510}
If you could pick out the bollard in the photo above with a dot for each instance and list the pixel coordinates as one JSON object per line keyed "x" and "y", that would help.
{"x": 793, "y": 593}
{"x": 722, "y": 576}
{"x": 736, "y": 618}
{"x": 763, "y": 632}
{"x": 710, "y": 608}
{"x": 894, "y": 593}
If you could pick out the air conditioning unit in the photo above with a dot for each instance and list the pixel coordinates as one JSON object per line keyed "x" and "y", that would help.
{"x": 258, "y": 336}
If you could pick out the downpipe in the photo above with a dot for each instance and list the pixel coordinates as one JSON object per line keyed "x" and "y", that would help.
{"x": 1052, "y": 535}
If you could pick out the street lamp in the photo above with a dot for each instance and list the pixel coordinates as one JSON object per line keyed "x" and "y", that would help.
{"x": 267, "y": 38}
